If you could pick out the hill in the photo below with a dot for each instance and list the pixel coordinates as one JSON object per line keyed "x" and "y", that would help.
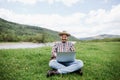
{"x": 11, "y": 32}
{"x": 100, "y": 37}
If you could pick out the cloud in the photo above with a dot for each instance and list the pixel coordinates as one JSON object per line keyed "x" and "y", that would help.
{"x": 69, "y": 2}
{"x": 105, "y": 18}
{"x": 78, "y": 24}
{"x": 32, "y": 2}
{"x": 24, "y": 1}
{"x": 102, "y": 16}
{"x": 41, "y": 19}
{"x": 107, "y": 1}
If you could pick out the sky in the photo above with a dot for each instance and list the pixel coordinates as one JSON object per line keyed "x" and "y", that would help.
{"x": 80, "y": 18}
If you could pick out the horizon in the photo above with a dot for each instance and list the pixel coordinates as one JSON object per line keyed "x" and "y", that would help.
{"x": 80, "y": 18}
{"x": 72, "y": 35}
{"x": 58, "y": 31}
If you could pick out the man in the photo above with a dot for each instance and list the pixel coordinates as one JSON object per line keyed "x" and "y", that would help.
{"x": 64, "y": 67}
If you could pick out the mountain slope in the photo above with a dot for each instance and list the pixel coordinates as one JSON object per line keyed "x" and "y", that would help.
{"x": 10, "y": 31}
{"x": 103, "y": 36}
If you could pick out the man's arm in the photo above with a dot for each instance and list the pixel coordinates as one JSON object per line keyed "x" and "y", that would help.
{"x": 72, "y": 48}
{"x": 54, "y": 51}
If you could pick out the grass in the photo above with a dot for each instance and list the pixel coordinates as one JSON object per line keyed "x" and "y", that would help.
{"x": 101, "y": 62}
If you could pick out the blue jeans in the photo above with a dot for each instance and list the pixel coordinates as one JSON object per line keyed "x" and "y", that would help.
{"x": 66, "y": 67}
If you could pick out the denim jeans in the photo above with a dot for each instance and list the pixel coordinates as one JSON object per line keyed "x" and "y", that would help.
{"x": 66, "y": 67}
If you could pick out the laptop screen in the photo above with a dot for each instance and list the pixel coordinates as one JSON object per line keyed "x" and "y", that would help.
{"x": 65, "y": 56}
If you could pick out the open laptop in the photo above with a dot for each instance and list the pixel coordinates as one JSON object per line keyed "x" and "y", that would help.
{"x": 65, "y": 56}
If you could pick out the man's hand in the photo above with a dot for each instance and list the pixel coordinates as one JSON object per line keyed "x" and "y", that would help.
{"x": 53, "y": 57}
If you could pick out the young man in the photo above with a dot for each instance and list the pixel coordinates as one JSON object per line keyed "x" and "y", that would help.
{"x": 64, "y": 67}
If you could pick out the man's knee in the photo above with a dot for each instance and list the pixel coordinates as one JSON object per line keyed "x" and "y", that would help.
{"x": 52, "y": 63}
{"x": 80, "y": 63}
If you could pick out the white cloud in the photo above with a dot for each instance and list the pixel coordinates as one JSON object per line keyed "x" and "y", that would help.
{"x": 24, "y": 1}
{"x": 102, "y": 16}
{"x": 42, "y": 19}
{"x": 69, "y": 2}
{"x": 78, "y": 24}
{"x": 106, "y": 1}
{"x": 105, "y": 21}
{"x": 65, "y": 2}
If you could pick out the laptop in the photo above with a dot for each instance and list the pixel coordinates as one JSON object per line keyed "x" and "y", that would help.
{"x": 65, "y": 56}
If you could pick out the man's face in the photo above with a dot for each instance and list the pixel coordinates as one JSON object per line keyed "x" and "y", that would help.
{"x": 64, "y": 38}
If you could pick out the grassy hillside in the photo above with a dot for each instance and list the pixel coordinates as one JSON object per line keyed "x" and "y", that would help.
{"x": 102, "y": 37}
{"x": 11, "y": 32}
{"x": 103, "y": 40}
{"x": 101, "y": 62}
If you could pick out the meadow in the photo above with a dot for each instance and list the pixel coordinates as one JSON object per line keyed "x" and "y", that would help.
{"x": 101, "y": 62}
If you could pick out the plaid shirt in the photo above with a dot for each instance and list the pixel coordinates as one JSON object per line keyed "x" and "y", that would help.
{"x": 62, "y": 47}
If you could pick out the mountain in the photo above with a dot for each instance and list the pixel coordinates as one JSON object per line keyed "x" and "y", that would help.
{"x": 11, "y": 32}
{"x": 103, "y": 36}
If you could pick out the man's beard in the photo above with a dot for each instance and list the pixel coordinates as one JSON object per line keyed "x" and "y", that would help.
{"x": 64, "y": 40}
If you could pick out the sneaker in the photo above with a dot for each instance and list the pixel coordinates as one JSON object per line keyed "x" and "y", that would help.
{"x": 79, "y": 72}
{"x": 51, "y": 73}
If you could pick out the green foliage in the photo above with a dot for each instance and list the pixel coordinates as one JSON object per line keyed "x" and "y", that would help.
{"x": 9, "y": 37}
{"x": 12, "y": 32}
{"x": 101, "y": 62}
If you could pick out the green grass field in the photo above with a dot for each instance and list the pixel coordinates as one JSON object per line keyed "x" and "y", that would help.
{"x": 101, "y": 62}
